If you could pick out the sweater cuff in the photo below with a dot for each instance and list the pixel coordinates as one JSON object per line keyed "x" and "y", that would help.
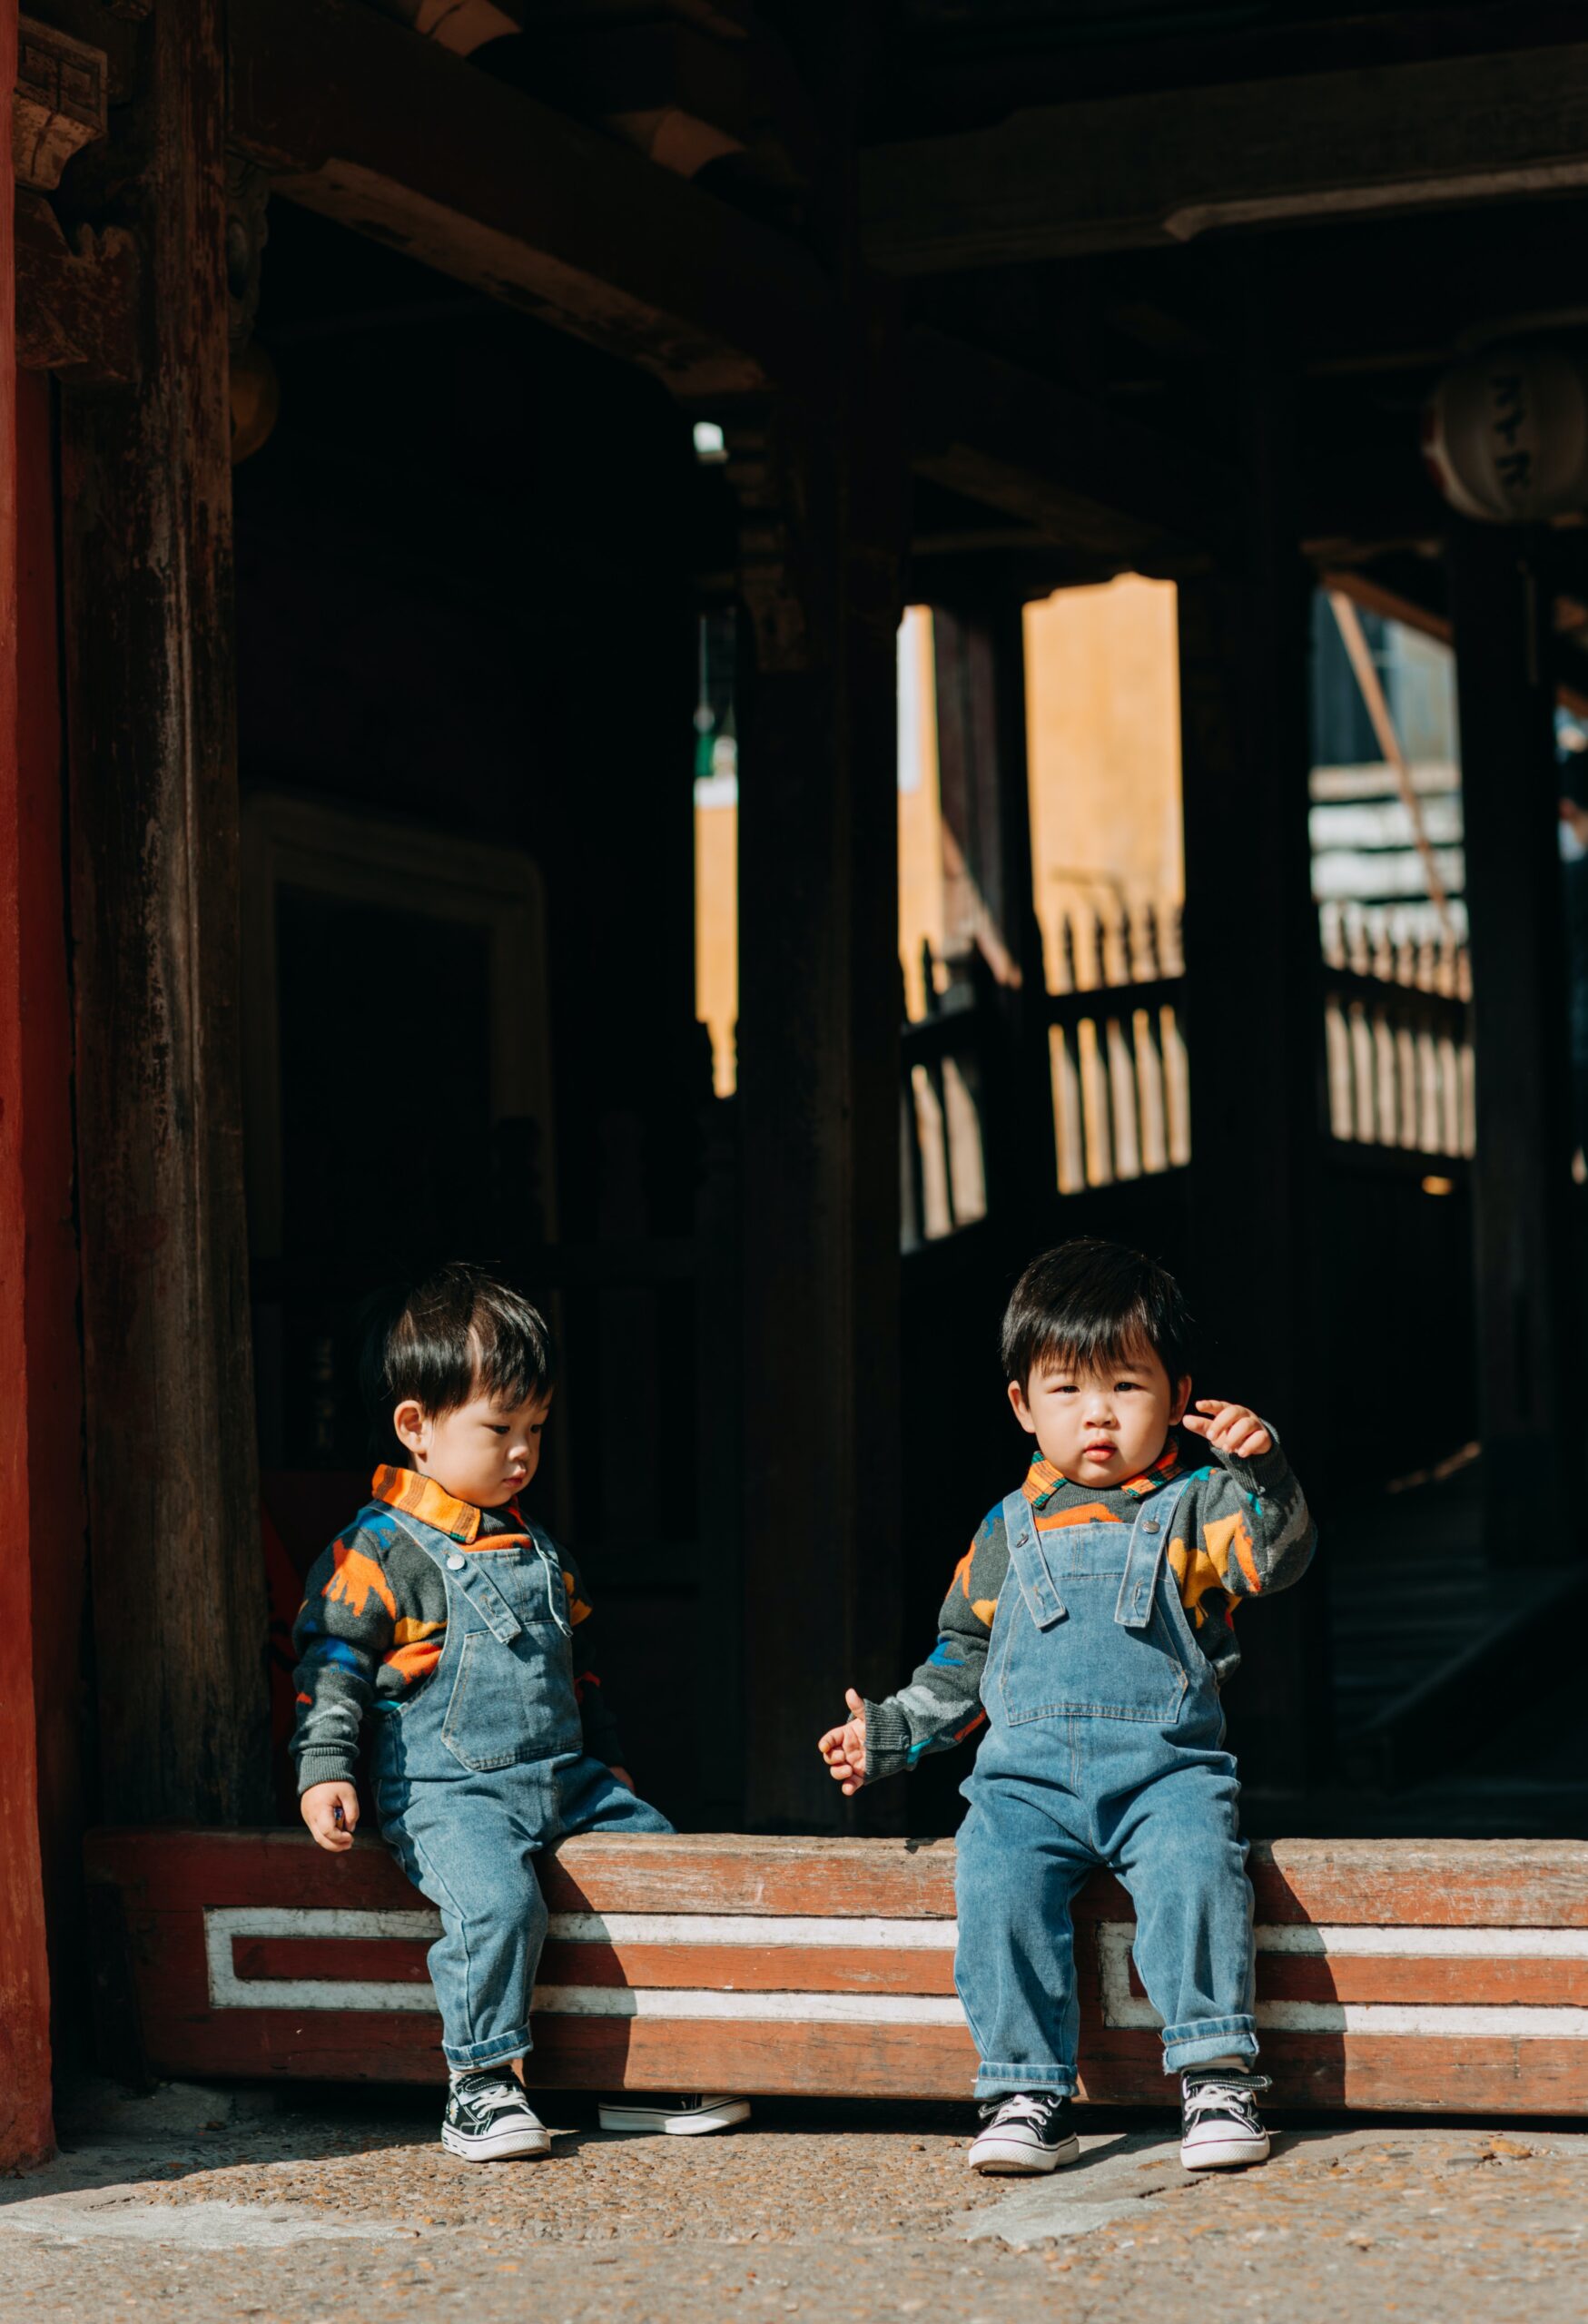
{"x": 1268, "y": 1470}
{"x": 887, "y": 1740}
{"x": 325, "y": 1764}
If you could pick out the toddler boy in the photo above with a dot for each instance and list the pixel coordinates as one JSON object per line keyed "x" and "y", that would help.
{"x": 1089, "y": 1627}
{"x": 448, "y": 1618}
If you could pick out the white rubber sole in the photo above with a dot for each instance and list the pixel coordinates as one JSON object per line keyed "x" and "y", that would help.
{"x": 1011, "y": 2159}
{"x": 498, "y": 2146}
{"x": 1224, "y": 2154}
{"x": 717, "y": 2114}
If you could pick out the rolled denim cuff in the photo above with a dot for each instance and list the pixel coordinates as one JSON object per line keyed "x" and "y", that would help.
{"x": 995, "y": 2081}
{"x": 1197, "y": 2040}
{"x": 466, "y": 2056}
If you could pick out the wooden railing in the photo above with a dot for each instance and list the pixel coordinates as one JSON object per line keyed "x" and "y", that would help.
{"x": 1398, "y": 1035}
{"x": 941, "y": 1142}
{"x": 1121, "y": 1093}
{"x": 1116, "y": 1058}
{"x": 1397, "y": 1044}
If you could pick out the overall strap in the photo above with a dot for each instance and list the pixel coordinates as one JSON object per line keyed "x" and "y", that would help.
{"x": 470, "y": 1576}
{"x": 1042, "y": 1600}
{"x": 1148, "y": 1539}
{"x": 556, "y": 1591}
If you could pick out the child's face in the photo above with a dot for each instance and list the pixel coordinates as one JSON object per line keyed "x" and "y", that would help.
{"x": 483, "y": 1451}
{"x": 1101, "y": 1426}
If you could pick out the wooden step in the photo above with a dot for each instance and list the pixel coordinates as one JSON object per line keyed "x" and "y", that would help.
{"x": 1448, "y": 1976}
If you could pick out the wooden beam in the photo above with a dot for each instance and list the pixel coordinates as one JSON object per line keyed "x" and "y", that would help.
{"x": 355, "y": 117}
{"x": 1084, "y": 474}
{"x": 1521, "y": 1172}
{"x": 146, "y": 518}
{"x": 1166, "y": 165}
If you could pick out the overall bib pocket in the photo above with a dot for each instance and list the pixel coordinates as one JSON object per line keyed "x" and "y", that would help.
{"x": 1098, "y": 1670}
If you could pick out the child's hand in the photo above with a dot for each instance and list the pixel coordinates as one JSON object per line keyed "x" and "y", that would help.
{"x": 843, "y": 1748}
{"x": 331, "y": 1810}
{"x": 1230, "y": 1428}
{"x": 624, "y": 1778}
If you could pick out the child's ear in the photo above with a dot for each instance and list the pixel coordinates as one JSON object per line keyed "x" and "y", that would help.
{"x": 1181, "y": 1400}
{"x": 408, "y": 1423}
{"x": 1021, "y": 1409}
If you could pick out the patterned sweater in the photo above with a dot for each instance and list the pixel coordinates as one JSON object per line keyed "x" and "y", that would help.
{"x": 373, "y": 1622}
{"x": 1242, "y": 1530}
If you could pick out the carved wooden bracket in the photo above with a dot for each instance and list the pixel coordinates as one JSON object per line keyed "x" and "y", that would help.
{"x": 76, "y": 301}
{"x": 58, "y": 105}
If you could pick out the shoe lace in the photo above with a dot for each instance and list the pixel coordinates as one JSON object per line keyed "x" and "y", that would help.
{"x": 1223, "y": 2094}
{"x": 1023, "y": 2106}
{"x": 492, "y": 2092}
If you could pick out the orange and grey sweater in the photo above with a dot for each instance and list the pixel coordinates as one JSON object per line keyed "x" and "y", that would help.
{"x": 1241, "y": 1529}
{"x": 373, "y": 1621}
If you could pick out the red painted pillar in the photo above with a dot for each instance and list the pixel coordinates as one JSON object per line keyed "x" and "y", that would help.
{"x": 25, "y": 2130}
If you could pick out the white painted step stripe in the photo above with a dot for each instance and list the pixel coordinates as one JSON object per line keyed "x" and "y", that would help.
{"x": 423, "y": 1925}
{"x": 1121, "y": 2008}
{"x": 784, "y": 2009}
{"x": 1124, "y": 2010}
{"x": 1417, "y": 1944}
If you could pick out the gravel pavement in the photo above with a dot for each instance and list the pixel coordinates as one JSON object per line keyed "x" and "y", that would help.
{"x": 195, "y": 2205}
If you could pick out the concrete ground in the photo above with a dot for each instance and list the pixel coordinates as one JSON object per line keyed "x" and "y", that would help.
{"x": 198, "y": 2205}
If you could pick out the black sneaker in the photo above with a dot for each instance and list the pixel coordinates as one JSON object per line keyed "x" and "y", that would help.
{"x": 489, "y": 2118}
{"x": 1029, "y": 2132}
{"x": 1220, "y": 2127}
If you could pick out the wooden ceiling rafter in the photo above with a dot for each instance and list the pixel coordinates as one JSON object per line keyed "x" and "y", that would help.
{"x": 1162, "y": 166}
{"x": 360, "y": 120}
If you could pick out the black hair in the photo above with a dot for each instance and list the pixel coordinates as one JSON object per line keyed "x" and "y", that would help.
{"x": 460, "y": 1333}
{"x": 1090, "y": 1302}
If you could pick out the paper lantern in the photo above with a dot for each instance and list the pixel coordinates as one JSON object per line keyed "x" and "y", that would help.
{"x": 1506, "y": 434}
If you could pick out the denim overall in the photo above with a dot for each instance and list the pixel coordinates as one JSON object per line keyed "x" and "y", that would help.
{"x": 1104, "y": 1746}
{"x": 483, "y": 1767}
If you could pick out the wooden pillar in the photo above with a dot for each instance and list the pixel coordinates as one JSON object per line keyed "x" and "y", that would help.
{"x": 174, "y": 1504}
{"x": 1255, "y": 1021}
{"x": 1523, "y": 1224}
{"x": 820, "y": 484}
{"x": 979, "y": 652}
{"x": 59, "y": 1545}
{"x": 25, "y": 2129}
